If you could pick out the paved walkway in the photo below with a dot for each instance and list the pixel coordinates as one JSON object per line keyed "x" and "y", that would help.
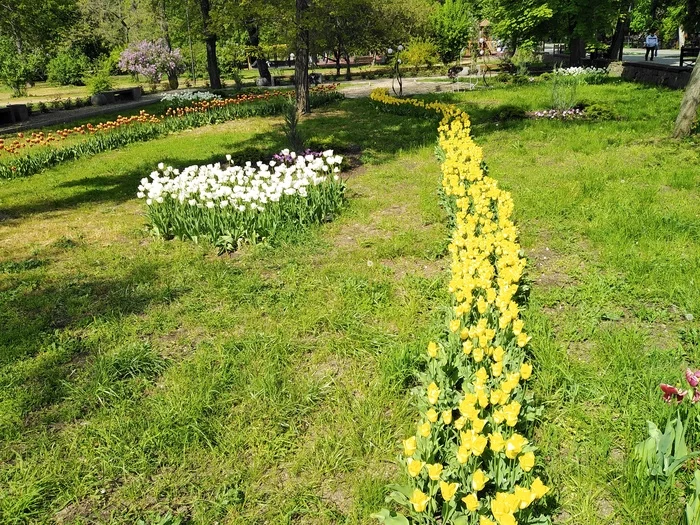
{"x": 411, "y": 86}
{"x": 667, "y": 57}
{"x": 67, "y": 116}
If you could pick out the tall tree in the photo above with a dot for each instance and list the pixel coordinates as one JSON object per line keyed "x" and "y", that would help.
{"x": 454, "y": 25}
{"x": 31, "y": 25}
{"x": 160, "y": 8}
{"x": 210, "y": 38}
{"x": 301, "y": 58}
{"x": 689, "y": 105}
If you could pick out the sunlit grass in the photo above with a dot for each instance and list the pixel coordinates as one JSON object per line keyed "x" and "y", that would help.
{"x": 141, "y": 377}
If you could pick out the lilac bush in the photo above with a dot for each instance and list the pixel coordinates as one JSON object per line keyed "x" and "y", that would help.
{"x": 152, "y": 60}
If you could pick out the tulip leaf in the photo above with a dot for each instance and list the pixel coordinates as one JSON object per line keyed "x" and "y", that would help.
{"x": 680, "y": 448}
{"x": 390, "y": 517}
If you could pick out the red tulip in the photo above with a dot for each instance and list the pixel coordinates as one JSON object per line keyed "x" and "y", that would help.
{"x": 672, "y": 393}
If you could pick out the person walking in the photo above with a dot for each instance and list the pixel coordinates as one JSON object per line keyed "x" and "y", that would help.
{"x": 650, "y": 43}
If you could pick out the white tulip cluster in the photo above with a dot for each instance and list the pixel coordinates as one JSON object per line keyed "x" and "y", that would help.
{"x": 581, "y": 71}
{"x": 182, "y": 97}
{"x": 241, "y": 188}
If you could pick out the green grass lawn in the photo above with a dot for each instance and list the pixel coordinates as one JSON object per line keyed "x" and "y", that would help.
{"x": 141, "y": 378}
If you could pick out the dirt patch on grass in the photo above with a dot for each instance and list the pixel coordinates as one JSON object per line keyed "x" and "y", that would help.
{"x": 334, "y": 492}
{"x": 353, "y": 235}
{"x": 581, "y": 351}
{"x": 73, "y": 512}
{"x": 547, "y": 267}
{"x": 403, "y": 266}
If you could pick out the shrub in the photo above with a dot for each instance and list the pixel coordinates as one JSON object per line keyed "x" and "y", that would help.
{"x": 600, "y": 112}
{"x": 420, "y": 52}
{"x": 510, "y": 112}
{"x": 100, "y": 81}
{"x": 68, "y": 68}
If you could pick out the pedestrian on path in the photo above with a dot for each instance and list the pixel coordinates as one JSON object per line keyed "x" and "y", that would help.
{"x": 650, "y": 43}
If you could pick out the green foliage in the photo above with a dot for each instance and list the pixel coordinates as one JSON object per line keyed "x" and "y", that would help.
{"x": 453, "y": 25}
{"x": 523, "y": 57}
{"x": 17, "y": 70}
{"x": 68, "y": 68}
{"x": 291, "y": 128}
{"x": 100, "y": 80}
{"x": 420, "y": 52}
{"x": 661, "y": 455}
{"x": 518, "y": 21}
{"x": 564, "y": 91}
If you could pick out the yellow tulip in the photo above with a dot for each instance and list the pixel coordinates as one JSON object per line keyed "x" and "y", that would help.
{"x": 527, "y": 461}
{"x": 526, "y": 371}
{"x": 538, "y": 488}
{"x": 448, "y": 490}
{"x": 433, "y": 393}
{"x": 497, "y": 441}
{"x": 525, "y": 497}
{"x": 424, "y": 430}
{"x": 409, "y": 446}
{"x": 432, "y": 415}
{"x": 432, "y": 349}
{"x": 434, "y": 471}
{"x": 479, "y": 480}
{"x": 471, "y": 501}
{"x": 515, "y": 445}
{"x": 414, "y": 467}
{"x": 447, "y": 417}
{"x": 463, "y": 454}
{"x": 419, "y": 500}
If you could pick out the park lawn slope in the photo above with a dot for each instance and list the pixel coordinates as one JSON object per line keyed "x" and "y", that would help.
{"x": 142, "y": 377}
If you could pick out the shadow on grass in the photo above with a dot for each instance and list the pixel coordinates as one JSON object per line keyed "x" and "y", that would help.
{"x": 32, "y": 310}
{"x": 351, "y": 126}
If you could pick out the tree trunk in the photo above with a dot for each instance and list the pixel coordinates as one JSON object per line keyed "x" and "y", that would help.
{"x": 213, "y": 63}
{"x": 348, "y": 76}
{"x": 173, "y": 82}
{"x": 618, "y": 39}
{"x": 689, "y": 105}
{"x": 577, "y": 49}
{"x": 621, "y": 30}
{"x": 301, "y": 60}
{"x": 254, "y": 42}
{"x": 210, "y": 41}
{"x": 337, "y": 55}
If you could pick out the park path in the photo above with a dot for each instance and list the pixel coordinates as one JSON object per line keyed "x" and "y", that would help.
{"x": 411, "y": 86}
{"x": 68, "y": 116}
{"x": 352, "y": 89}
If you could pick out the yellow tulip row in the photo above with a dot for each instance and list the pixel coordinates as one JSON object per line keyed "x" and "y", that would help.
{"x": 467, "y": 462}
